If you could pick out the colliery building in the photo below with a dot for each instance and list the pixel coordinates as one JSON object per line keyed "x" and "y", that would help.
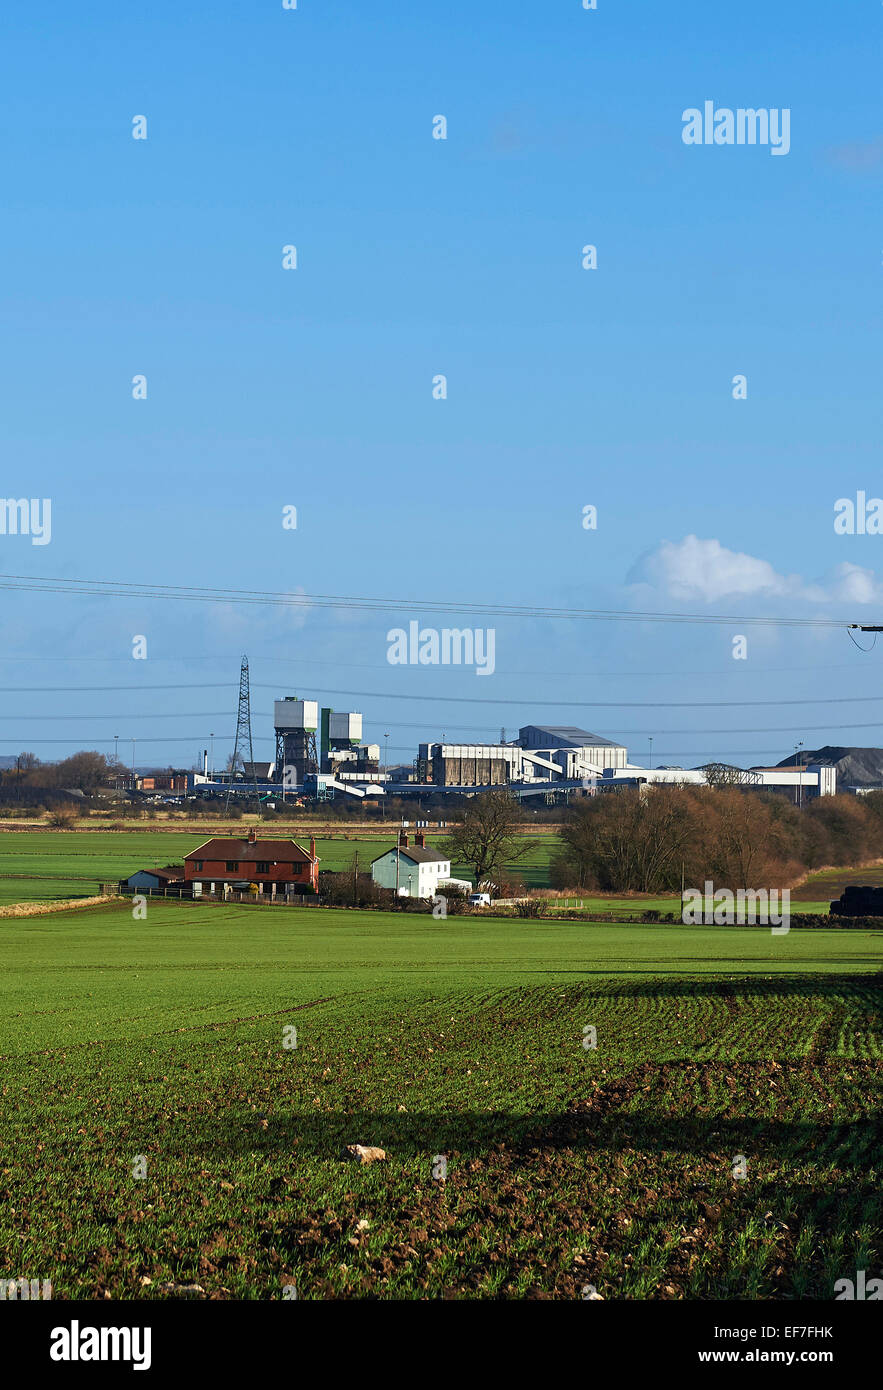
{"x": 541, "y": 753}
{"x": 546, "y": 756}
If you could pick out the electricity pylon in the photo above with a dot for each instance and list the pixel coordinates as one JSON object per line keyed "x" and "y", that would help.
{"x": 243, "y": 736}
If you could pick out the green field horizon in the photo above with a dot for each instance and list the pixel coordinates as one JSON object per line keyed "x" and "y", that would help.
{"x": 162, "y": 1043}
{"x": 48, "y": 865}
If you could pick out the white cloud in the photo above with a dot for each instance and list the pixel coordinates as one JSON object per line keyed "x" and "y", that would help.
{"x": 705, "y": 570}
{"x": 257, "y": 621}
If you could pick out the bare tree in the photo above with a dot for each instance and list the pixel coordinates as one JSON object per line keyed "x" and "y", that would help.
{"x": 630, "y": 841}
{"x": 487, "y": 836}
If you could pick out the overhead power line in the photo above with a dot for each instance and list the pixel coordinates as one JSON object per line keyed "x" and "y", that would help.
{"x": 590, "y": 704}
{"x": 106, "y": 588}
{"x": 491, "y": 700}
{"x": 623, "y": 733}
{"x": 738, "y": 668}
{"x": 96, "y": 689}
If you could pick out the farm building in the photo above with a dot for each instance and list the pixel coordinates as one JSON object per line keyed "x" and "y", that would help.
{"x": 275, "y": 866}
{"x": 414, "y": 871}
{"x": 172, "y": 876}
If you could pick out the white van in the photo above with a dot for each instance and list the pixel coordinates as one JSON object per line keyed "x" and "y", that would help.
{"x": 479, "y": 899}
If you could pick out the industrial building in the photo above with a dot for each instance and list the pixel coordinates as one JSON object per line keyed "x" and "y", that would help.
{"x": 320, "y": 753}
{"x": 549, "y": 758}
{"x": 798, "y": 783}
{"x": 600, "y": 752}
{"x": 340, "y": 750}
{"x": 554, "y": 753}
{"x": 296, "y": 723}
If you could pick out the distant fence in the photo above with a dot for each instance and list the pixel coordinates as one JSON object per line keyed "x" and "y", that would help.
{"x": 261, "y": 899}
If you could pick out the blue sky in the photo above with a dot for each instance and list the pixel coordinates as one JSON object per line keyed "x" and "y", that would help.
{"x": 418, "y": 256}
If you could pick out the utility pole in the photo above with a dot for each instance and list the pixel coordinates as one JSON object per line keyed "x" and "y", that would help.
{"x": 798, "y": 758}
{"x": 651, "y": 750}
{"x": 355, "y": 875}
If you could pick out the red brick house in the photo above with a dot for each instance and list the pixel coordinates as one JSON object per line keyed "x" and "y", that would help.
{"x": 276, "y": 866}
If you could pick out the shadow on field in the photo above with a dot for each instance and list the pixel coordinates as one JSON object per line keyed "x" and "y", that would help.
{"x": 471, "y": 1134}
{"x": 802, "y": 985}
{"x": 742, "y": 988}
{"x": 616, "y": 1117}
{"x": 790, "y": 986}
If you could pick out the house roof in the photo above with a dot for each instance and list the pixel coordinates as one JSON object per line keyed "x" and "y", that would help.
{"x": 415, "y": 854}
{"x": 280, "y": 851}
{"x": 171, "y": 871}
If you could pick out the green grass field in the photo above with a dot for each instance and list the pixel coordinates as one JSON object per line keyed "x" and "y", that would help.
{"x": 628, "y": 906}
{"x": 90, "y": 856}
{"x": 459, "y": 1040}
{"x": 44, "y": 865}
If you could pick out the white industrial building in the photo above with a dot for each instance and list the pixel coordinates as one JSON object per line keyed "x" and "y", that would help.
{"x": 414, "y": 871}
{"x": 554, "y": 753}
{"x": 548, "y": 755}
{"x": 815, "y": 779}
{"x": 583, "y": 749}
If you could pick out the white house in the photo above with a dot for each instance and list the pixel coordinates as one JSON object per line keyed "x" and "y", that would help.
{"x": 415, "y": 871}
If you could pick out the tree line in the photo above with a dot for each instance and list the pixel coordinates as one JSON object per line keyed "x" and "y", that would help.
{"x": 652, "y": 840}
{"x": 87, "y": 771}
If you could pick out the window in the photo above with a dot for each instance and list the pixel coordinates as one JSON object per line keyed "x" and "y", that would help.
{"x": 232, "y": 866}
{"x": 262, "y": 866}
{"x": 198, "y": 866}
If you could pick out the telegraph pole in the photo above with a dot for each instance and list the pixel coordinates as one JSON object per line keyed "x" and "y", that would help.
{"x": 798, "y": 759}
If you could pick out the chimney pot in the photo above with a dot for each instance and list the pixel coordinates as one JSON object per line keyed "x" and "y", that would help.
{"x": 252, "y": 836}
